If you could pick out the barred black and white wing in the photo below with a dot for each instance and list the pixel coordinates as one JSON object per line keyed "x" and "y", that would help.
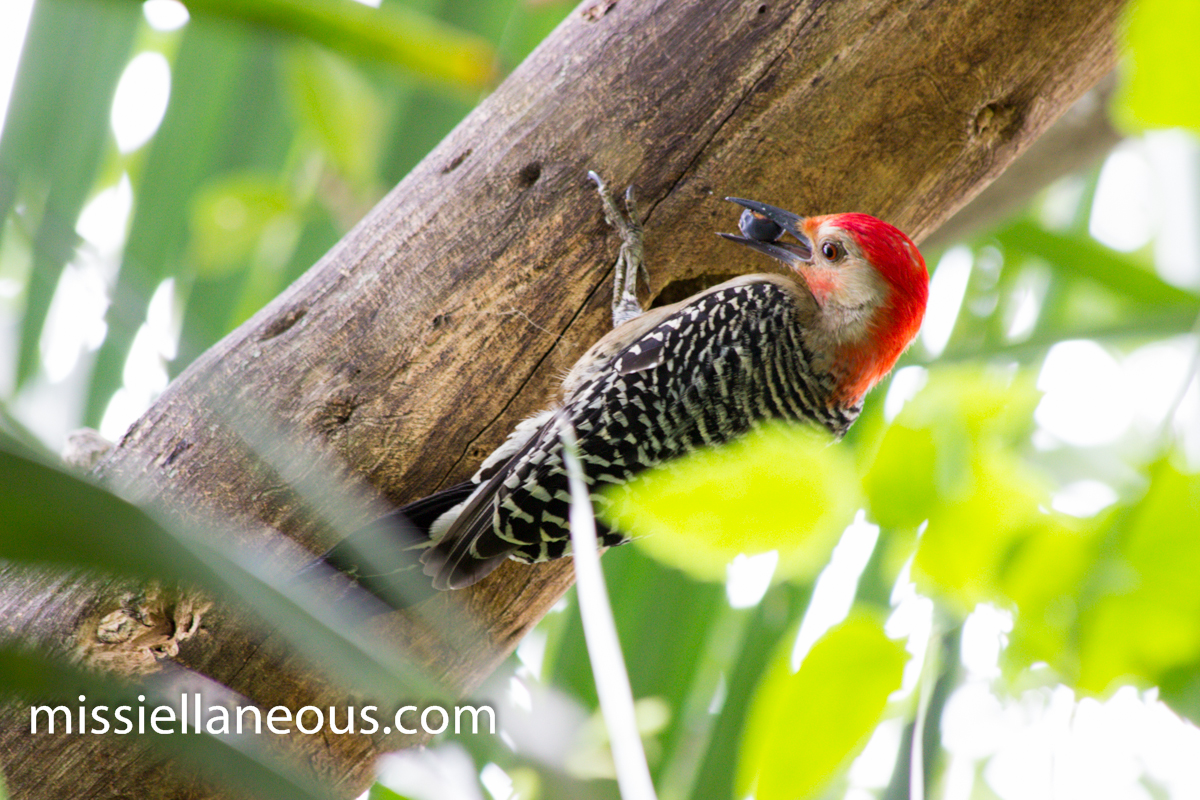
{"x": 696, "y": 374}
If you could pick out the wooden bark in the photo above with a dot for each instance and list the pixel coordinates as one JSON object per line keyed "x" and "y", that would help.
{"x": 448, "y": 314}
{"x": 1080, "y": 139}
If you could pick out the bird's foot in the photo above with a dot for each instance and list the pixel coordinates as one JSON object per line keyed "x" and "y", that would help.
{"x": 630, "y": 263}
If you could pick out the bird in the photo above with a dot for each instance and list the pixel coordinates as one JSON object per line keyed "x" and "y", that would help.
{"x": 804, "y": 343}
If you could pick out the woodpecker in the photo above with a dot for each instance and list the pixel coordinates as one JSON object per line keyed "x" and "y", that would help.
{"x": 803, "y": 345}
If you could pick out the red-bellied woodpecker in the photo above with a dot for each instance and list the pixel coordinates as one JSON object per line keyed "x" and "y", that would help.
{"x": 802, "y": 346}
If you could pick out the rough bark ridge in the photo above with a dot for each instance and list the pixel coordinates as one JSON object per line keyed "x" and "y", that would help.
{"x": 407, "y": 352}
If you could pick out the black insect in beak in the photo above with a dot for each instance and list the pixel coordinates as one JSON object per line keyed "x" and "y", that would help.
{"x": 762, "y": 226}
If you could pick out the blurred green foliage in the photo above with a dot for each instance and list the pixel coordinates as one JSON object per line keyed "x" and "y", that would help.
{"x": 397, "y": 33}
{"x": 1158, "y": 86}
{"x": 976, "y": 479}
{"x": 1138, "y": 612}
{"x": 781, "y": 488}
{"x": 805, "y": 723}
{"x": 270, "y": 149}
{"x": 286, "y": 123}
{"x": 1104, "y": 599}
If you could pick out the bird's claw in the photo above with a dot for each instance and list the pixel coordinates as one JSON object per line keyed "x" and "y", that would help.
{"x": 630, "y": 262}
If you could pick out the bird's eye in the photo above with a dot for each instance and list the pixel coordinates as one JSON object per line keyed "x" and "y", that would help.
{"x": 832, "y": 251}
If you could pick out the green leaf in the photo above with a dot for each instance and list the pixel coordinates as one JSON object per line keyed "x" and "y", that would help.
{"x": 208, "y": 75}
{"x": 1134, "y": 327}
{"x": 1045, "y": 577}
{"x": 380, "y": 792}
{"x": 16, "y": 438}
{"x": 340, "y": 109}
{"x": 68, "y": 131}
{"x": 1084, "y": 257}
{"x": 393, "y": 33}
{"x": 1159, "y": 71}
{"x": 924, "y": 457}
{"x": 784, "y": 488}
{"x": 950, "y": 458}
{"x": 531, "y": 23}
{"x": 1143, "y": 621}
{"x": 901, "y": 483}
{"x": 1112, "y": 600}
{"x": 49, "y": 516}
{"x": 52, "y": 517}
{"x": 804, "y": 726}
{"x": 229, "y": 217}
{"x": 970, "y": 536}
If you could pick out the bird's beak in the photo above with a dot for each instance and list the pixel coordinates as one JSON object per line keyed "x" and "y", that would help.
{"x": 763, "y": 225}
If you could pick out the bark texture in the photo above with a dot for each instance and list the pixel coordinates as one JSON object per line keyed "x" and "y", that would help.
{"x": 408, "y": 352}
{"x": 1082, "y": 137}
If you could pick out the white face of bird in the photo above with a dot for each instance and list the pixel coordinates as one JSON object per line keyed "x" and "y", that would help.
{"x": 848, "y": 287}
{"x": 827, "y": 257}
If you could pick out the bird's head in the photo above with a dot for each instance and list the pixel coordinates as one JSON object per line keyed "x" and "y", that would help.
{"x": 868, "y": 279}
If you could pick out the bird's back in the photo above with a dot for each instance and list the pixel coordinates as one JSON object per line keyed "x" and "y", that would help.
{"x": 710, "y": 370}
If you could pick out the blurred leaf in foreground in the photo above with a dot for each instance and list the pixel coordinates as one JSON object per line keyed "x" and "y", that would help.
{"x": 1106, "y": 600}
{"x": 52, "y": 517}
{"x": 966, "y": 546}
{"x": 1114, "y": 600}
{"x": 781, "y": 488}
{"x": 803, "y": 726}
{"x": 1044, "y": 576}
{"x": 1160, "y": 73}
{"x": 233, "y": 759}
{"x": 48, "y": 516}
{"x": 1141, "y": 623}
{"x": 950, "y": 458}
{"x": 922, "y": 458}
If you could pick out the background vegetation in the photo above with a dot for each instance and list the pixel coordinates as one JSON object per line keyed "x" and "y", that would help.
{"x": 1017, "y": 581}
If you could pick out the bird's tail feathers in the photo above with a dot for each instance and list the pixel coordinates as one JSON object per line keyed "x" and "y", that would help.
{"x": 384, "y": 556}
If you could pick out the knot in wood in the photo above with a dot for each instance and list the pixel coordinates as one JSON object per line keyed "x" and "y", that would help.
{"x": 997, "y": 122}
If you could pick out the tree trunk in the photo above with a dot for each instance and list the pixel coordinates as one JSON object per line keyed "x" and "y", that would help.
{"x": 408, "y": 352}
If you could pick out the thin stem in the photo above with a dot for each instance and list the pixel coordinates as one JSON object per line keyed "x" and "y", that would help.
{"x": 600, "y": 633}
{"x": 929, "y": 677}
{"x": 1168, "y": 430}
